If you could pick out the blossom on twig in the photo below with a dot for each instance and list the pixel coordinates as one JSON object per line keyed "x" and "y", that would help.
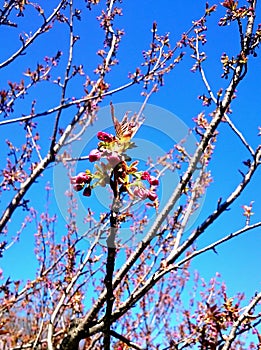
{"x": 111, "y": 164}
{"x": 248, "y": 212}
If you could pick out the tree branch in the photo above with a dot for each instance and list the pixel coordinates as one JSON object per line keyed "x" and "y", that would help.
{"x": 168, "y": 265}
{"x": 67, "y": 76}
{"x": 221, "y": 208}
{"x": 248, "y": 310}
{"x": 215, "y": 244}
{"x": 110, "y": 265}
{"x": 214, "y": 99}
{"x": 125, "y": 340}
{"x": 34, "y": 36}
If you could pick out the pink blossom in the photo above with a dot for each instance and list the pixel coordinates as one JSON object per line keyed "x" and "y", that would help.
{"x": 94, "y": 155}
{"x": 113, "y": 159}
{"x": 140, "y": 192}
{"x": 248, "y": 209}
{"x": 153, "y": 181}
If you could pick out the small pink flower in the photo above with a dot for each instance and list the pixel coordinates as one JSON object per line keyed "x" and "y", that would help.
{"x": 113, "y": 159}
{"x": 248, "y": 209}
{"x": 83, "y": 177}
{"x": 140, "y": 192}
{"x": 94, "y": 155}
{"x": 103, "y": 136}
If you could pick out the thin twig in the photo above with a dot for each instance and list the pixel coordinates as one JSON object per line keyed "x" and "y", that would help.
{"x": 215, "y": 244}
{"x": 67, "y": 290}
{"x": 34, "y": 143}
{"x": 221, "y": 208}
{"x": 214, "y": 99}
{"x": 125, "y": 340}
{"x": 232, "y": 335}
{"x": 67, "y": 76}
{"x": 188, "y": 211}
{"x": 32, "y": 38}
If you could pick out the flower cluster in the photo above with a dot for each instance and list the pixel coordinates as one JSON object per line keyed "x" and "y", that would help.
{"x": 82, "y": 182}
{"x": 112, "y": 168}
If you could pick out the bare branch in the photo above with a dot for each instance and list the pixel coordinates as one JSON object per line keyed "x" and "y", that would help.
{"x": 221, "y": 208}
{"x": 30, "y": 40}
{"x": 215, "y": 100}
{"x": 67, "y": 76}
{"x": 215, "y": 244}
{"x": 125, "y": 340}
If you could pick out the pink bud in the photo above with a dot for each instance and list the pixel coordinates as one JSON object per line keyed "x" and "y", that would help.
{"x": 152, "y": 196}
{"x": 87, "y": 191}
{"x": 153, "y": 181}
{"x": 94, "y": 155}
{"x": 145, "y": 176}
{"x": 73, "y": 180}
{"x": 103, "y": 136}
{"x": 83, "y": 178}
{"x": 80, "y": 179}
{"x": 78, "y": 187}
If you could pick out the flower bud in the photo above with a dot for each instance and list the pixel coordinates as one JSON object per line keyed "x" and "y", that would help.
{"x": 152, "y": 196}
{"x": 153, "y": 181}
{"x": 94, "y": 155}
{"x": 82, "y": 178}
{"x": 87, "y": 191}
{"x": 78, "y": 187}
{"x": 145, "y": 176}
{"x": 103, "y": 136}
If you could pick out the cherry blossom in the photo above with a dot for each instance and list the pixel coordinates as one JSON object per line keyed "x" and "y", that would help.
{"x": 114, "y": 168}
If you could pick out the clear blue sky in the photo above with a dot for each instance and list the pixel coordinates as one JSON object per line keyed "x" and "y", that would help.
{"x": 239, "y": 260}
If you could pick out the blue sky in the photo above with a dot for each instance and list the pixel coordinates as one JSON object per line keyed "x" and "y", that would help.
{"x": 239, "y": 260}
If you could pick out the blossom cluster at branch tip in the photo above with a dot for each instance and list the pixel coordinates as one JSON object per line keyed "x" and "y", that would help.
{"x": 112, "y": 168}
{"x": 82, "y": 182}
{"x": 151, "y": 179}
{"x": 248, "y": 212}
{"x": 248, "y": 209}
